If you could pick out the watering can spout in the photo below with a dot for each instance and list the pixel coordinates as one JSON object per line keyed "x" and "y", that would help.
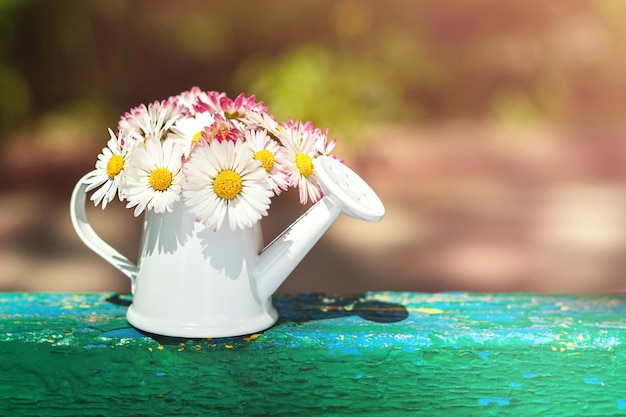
{"x": 344, "y": 192}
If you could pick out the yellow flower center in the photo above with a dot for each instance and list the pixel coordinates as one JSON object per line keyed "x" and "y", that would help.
{"x": 304, "y": 164}
{"x": 224, "y": 133}
{"x": 160, "y": 179}
{"x": 196, "y": 137}
{"x": 227, "y": 184}
{"x": 114, "y": 166}
{"x": 266, "y": 158}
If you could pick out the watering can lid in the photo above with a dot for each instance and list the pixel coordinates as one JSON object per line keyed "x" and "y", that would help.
{"x": 343, "y": 185}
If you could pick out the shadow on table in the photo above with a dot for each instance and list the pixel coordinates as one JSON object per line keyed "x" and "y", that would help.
{"x": 313, "y": 306}
{"x": 299, "y": 309}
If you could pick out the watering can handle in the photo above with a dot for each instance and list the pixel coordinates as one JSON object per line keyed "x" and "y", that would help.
{"x": 90, "y": 238}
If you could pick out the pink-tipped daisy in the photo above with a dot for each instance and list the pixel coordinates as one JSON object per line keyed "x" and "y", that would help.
{"x": 224, "y": 183}
{"x": 209, "y": 102}
{"x": 235, "y": 110}
{"x": 152, "y": 121}
{"x": 109, "y": 170}
{"x": 188, "y": 100}
{"x": 324, "y": 146}
{"x": 222, "y": 129}
{"x": 154, "y": 176}
{"x": 272, "y": 157}
{"x": 262, "y": 120}
{"x": 239, "y": 108}
{"x": 301, "y": 143}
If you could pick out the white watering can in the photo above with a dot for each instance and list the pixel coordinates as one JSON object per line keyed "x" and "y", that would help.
{"x": 193, "y": 281}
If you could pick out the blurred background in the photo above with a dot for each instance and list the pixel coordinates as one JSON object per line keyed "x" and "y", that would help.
{"x": 493, "y": 131}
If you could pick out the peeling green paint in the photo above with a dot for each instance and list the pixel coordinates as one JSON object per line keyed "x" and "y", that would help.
{"x": 374, "y": 354}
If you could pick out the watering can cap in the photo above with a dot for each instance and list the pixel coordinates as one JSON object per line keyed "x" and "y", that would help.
{"x": 353, "y": 195}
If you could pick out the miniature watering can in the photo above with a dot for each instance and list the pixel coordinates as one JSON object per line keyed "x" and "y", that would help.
{"x": 193, "y": 281}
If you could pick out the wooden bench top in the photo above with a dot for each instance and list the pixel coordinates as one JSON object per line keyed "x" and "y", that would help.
{"x": 376, "y": 354}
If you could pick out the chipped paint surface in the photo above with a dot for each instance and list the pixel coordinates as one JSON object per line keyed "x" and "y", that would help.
{"x": 449, "y": 353}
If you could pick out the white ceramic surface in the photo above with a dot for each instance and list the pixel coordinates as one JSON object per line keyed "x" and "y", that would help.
{"x": 193, "y": 281}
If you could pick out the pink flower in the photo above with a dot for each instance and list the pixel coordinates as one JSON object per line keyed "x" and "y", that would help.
{"x": 188, "y": 99}
{"x": 222, "y": 129}
{"x": 237, "y": 109}
{"x": 209, "y": 102}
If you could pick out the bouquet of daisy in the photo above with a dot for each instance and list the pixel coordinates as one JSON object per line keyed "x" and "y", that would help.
{"x": 224, "y": 159}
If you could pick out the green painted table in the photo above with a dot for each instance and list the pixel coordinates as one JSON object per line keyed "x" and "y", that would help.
{"x": 370, "y": 354}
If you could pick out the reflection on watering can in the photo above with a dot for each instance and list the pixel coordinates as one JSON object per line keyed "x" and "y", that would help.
{"x": 193, "y": 281}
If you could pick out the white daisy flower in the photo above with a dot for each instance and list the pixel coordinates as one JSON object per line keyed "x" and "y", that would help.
{"x": 154, "y": 176}
{"x": 152, "y": 121}
{"x": 324, "y": 147}
{"x": 272, "y": 157}
{"x": 223, "y": 181}
{"x": 302, "y": 146}
{"x": 264, "y": 120}
{"x": 189, "y": 130}
{"x": 109, "y": 168}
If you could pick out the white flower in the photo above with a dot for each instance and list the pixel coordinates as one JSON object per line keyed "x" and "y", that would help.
{"x": 263, "y": 120}
{"x": 154, "y": 176}
{"x": 152, "y": 121}
{"x": 302, "y": 147}
{"x": 272, "y": 157}
{"x": 188, "y": 131}
{"x": 324, "y": 147}
{"x": 223, "y": 181}
{"x": 109, "y": 167}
